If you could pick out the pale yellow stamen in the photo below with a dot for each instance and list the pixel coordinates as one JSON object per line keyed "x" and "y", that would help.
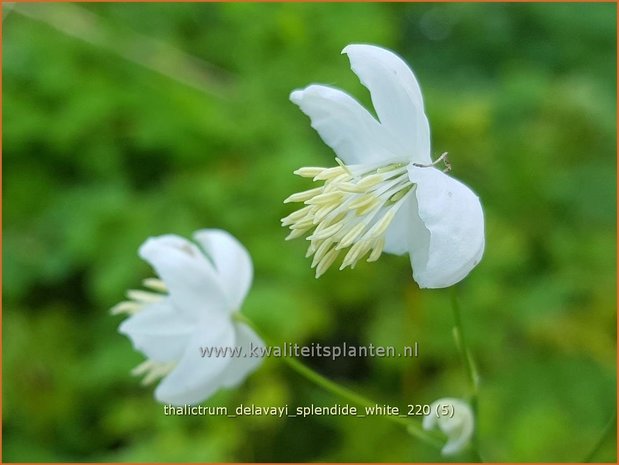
{"x": 323, "y": 211}
{"x": 303, "y": 224}
{"x": 296, "y": 216}
{"x": 329, "y": 173}
{"x": 155, "y": 284}
{"x": 322, "y": 251}
{"x": 144, "y": 297}
{"x": 139, "y": 299}
{"x": 377, "y": 250}
{"x": 303, "y": 196}
{"x": 326, "y": 262}
{"x": 327, "y": 198}
{"x": 152, "y": 370}
{"x": 297, "y": 233}
{"x": 127, "y": 307}
{"x": 309, "y": 171}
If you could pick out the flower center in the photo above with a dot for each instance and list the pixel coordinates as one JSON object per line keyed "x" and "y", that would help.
{"x": 353, "y": 209}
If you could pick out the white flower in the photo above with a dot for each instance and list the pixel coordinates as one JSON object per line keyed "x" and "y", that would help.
{"x": 455, "y": 418}
{"x": 385, "y": 195}
{"x": 194, "y": 306}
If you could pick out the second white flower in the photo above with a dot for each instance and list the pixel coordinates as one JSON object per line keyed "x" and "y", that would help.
{"x": 201, "y": 287}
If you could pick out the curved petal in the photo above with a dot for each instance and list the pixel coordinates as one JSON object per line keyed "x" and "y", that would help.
{"x": 240, "y": 368}
{"x": 345, "y": 126}
{"x": 406, "y": 229}
{"x": 194, "y": 286}
{"x": 454, "y": 218}
{"x": 232, "y": 262}
{"x": 158, "y": 331}
{"x": 196, "y": 378}
{"x": 396, "y": 97}
{"x": 457, "y": 425}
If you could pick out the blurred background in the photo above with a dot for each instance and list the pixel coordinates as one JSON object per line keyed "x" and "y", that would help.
{"x": 123, "y": 121}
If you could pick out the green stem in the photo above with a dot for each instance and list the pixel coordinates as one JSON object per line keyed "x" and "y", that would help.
{"x": 358, "y": 399}
{"x": 612, "y": 422}
{"x": 469, "y": 366}
{"x": 412, "y": 428}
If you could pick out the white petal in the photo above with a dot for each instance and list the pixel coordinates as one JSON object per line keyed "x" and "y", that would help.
{"x": 345, "y": 126}
{"x": 194, "y": 286}
{"x": 458, "y": 427}
{"x": 232, "y": 262}
{"x": 405, "y": 228}
{"x": 396, "y": 97}
{"x": 196, "y": 378}
{"x": 453, "y": 215}
{"x": 158, "y": 331}
{"x": 240, "y": 368}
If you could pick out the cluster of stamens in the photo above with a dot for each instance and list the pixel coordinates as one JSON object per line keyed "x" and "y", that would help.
{"x": 138, "y": 299}
{"x": 353, "y": 209}
{"x": 152, "y": 371}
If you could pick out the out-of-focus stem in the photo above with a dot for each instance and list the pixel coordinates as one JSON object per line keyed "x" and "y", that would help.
{"x": 612, "y": 423}
{"x": 161, "y": 57}
{"x": 469, "y": 366}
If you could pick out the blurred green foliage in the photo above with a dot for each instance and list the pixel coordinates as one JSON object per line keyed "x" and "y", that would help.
{"x": 102, "y": 151}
